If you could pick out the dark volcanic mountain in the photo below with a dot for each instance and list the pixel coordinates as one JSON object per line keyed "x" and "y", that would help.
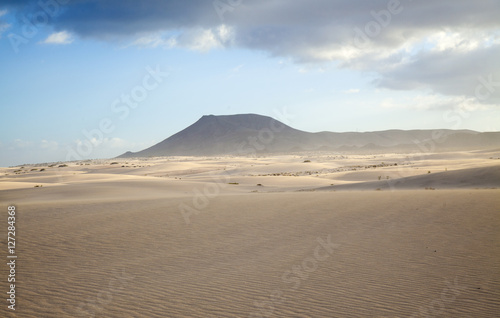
{"x": 251, "y": 134}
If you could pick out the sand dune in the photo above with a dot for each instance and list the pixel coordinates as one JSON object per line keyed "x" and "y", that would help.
{"x": 474, "y": 178}
{"x": 251, "y": 237}
{"x": 139, "y": 258}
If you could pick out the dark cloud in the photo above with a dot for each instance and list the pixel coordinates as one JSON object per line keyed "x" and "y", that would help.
{"x": 448, "y": 73}
{"x": 389, "y": 37}
{"x": 324, "y": 20}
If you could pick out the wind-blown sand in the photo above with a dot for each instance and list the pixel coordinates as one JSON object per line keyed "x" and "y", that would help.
{"x": 198, "y": 237}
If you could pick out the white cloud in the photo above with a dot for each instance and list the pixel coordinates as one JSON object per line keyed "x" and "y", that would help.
{"x": 106, "y": 143}
{"x": 30, "y": 145}
{"x": 434, "y": 102}
{"x": 116, "y": 143}
{"x": 196, "y": 39}
{"x": 149, "y": 41}
{"x": 49, "y": 145}
{"x": 316, "y": 68}
{"x": 62, "y": 37}
{"x": 203, "y": 40}
{"x": 3, "y": 25}
{"x": 3, "y": 28}
{"x": 237, "y": 68}
{"x": 19, "y": 143}
{"x": 234, "y": 71}
{"x": 352, "y": 91}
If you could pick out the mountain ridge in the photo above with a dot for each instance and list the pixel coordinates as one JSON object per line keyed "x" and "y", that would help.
{"x": 252, "y": 134}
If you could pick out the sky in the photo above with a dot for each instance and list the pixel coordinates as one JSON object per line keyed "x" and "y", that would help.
{"x": 83, "y": 79}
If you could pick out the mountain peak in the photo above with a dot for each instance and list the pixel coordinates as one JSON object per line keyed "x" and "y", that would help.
{"x": 247, "y": 134}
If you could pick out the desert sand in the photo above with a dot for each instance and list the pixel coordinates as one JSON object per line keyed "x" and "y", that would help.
{"x": 298, "y": 235}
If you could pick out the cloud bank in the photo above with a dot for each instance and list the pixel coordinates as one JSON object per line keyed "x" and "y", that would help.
{"x": 447, "y": 47}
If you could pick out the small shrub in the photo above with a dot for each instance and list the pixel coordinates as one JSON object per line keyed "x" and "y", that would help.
{"x": 234, "y": 183}
{"x": 62, "y": 166}
{"x": 307, "y": 161}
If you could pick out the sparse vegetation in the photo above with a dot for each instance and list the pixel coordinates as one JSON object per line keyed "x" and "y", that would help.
{"x": 307, "y": 161}
{"x": 62, "y": 166}
{"x": 234, "y": 183}
{"x": 259, "y": 185}
{"x": 114, "y": 163}
{"x": 43, "y": 169}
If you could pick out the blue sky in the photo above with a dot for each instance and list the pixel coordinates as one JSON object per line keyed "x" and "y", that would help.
{"x": 304, "y": 63}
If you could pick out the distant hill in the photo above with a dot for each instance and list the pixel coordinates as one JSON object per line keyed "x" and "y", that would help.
{"x": 251, "y": 134}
